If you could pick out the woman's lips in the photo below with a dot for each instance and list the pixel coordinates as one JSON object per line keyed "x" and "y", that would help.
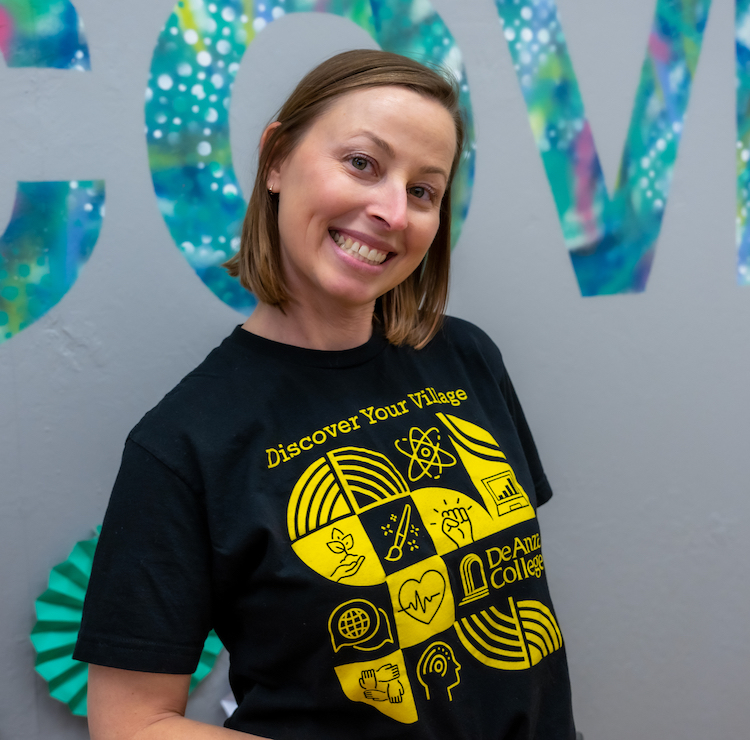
{"x": 360, "y": 251}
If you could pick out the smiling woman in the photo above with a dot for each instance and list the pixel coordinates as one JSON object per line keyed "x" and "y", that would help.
{"x": 357, "y": 585}
{"x": 367, "y": 146}
{"x": 358, "y": 207}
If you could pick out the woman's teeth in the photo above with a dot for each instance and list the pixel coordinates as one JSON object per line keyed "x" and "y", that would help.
{"x": 361, "y": 251}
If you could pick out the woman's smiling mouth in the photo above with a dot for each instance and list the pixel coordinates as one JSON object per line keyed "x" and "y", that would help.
{"x": 359, "y": 251}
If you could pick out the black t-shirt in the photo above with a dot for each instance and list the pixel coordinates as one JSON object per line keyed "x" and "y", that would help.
{"x": 359, "y": 527}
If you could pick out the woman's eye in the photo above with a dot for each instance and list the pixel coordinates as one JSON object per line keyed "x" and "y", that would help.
{"x": 420, "y": 192}
{"x": 359, "y": 163}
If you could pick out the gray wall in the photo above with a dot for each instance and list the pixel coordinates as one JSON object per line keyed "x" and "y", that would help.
{"x": 640, "y": 403}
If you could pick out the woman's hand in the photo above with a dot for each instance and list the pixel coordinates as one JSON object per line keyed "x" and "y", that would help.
{"x": 130, "y": 705}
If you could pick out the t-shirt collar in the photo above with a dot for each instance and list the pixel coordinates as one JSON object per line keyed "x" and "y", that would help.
{"x": 245, "y": 340}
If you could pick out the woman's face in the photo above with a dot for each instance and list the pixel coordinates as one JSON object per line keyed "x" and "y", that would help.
{"x": 359, "y": 196}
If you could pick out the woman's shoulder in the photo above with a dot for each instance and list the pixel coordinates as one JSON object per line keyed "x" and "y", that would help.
{"x": 203, "y": 403}
{"x": 458, "y": 328}
{"x": 461, "y": 335}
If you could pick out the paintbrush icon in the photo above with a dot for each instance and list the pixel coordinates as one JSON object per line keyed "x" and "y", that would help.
{"x": 397, "y": 549}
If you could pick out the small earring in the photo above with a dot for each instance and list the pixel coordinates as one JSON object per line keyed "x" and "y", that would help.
{"x": 270, "y": 191}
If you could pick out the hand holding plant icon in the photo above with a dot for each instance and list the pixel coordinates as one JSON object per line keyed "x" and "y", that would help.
{"x": 349, "y": 563}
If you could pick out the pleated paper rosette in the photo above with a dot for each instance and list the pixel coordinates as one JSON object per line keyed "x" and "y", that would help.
{"x": 58, "y": 612}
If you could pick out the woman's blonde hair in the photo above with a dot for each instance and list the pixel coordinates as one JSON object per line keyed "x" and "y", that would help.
{"x": 412, "y": 312}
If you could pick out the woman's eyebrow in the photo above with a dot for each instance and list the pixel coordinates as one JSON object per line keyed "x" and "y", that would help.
{"x": 389, "y": 150}
{"x": 380, "y": 143}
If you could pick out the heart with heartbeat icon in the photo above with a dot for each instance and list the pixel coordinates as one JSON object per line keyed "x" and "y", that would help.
{"x": 422, "y": 598}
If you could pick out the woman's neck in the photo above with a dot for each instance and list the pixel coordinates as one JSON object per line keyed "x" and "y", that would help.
{"x": 310, "y": 328}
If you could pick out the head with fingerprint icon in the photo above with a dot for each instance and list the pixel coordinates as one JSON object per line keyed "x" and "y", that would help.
{"x": 438, "y": 671}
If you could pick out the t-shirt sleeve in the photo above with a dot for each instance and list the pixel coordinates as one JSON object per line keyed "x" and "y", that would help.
{"x": 148, "y": 604}
{"x": 494, "y": 359}
{"x": 541, "y": 484}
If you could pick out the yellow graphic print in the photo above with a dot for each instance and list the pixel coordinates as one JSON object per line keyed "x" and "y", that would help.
{"x": 383, "y": 684}
{"x": 473, "y": 579}
{"x": 438, "y": 670}
{"x": 452, "y": 518}
{"x": 424, "y": 453}
{"x": 344, "y": 481}
{"x": 342, "y": 544}
{"x": 358, "y": 623}
{"x": 342, "y": 552}
{"x": 511, "y": 642}
{"x": 490, "y": 473}
{"x": 457, "y": 525}
{"x": 353, "y": 519}
{"x": 422, "y": 601}
{"x": 396, "y": 551}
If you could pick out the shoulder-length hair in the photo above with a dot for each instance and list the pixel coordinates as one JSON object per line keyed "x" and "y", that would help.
{"x": 413, "y": 311}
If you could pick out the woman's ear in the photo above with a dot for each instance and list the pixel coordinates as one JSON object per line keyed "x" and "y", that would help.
{"x": 273, "y": 173}
{"x": 267, "y": 132}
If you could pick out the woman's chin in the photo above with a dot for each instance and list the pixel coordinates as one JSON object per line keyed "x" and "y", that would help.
{"x": 351, "y": 299}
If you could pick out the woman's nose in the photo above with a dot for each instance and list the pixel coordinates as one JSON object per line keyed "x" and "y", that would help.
{"x": 390, "y": 206}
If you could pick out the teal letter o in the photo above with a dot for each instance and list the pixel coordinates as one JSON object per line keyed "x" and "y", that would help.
{"x": 187, "y": 114}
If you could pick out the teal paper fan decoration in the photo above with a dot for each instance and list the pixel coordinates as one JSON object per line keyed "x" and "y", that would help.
{"x": 58, "y": 612}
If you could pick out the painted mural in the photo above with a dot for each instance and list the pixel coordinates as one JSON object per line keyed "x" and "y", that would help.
{"x": 188, "y": 98}
{"x": 611, "y": 239}
{"x": 54, "y": 225}
{"x": 51, "y": 235}
{"x": 42, "y": 33}
{"x": 742, "y": 31}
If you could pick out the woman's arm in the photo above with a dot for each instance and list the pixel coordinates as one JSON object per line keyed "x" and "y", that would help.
{"x": 129, "y": 705}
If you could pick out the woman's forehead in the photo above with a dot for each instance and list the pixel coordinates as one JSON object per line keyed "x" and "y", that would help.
{"x": 395, "y": 100}
{"x": 389, "y": 117}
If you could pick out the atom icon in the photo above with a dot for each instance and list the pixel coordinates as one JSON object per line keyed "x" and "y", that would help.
{"x": 426, "y": 454}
